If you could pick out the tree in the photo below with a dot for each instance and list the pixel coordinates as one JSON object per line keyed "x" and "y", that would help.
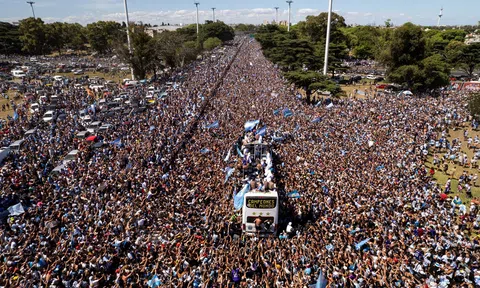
{"x": 437, "y": 40}
{"x": 430, "y": 74}
{"x": 362, "y": 40}
{"x": 32, "y": 35}
{"x": 250, "y": 28}
{"x": 409, "y": 64}
{"x": 336, "y": 53}
{"x": 407, "y": 47}
{"x": 143, "y": 56}
{"x": 388, "y": 23}
{"x": 189, "y": 32}
{"x": 315, "y": 27}
{"x": 436, "y": 72}
{"x": 54, "y": 36}
{"x": 9, "y": 39}
{"x": 409, "y": 76}
{"x": 292, "y": 54}
{"x": 218, "y": 30}
{"x": 174, "y": 50}
{"x": 474, "y": 105}
{"x": 311, "y": 81}
{"x": 74, "y": 36}
{"x": 104, "y": 35}
{"x": 211, "y": 43}
{"x": 465, "y": 57}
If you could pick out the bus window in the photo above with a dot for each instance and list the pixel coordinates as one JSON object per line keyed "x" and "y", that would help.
{"x": 252, "y": 219}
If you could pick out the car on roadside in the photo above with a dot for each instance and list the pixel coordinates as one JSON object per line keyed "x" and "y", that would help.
{"x": 34, "y": 108}
{"x": 49, "y": 116}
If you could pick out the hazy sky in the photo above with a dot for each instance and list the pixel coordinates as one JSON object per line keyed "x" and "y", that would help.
{"x": 424, "y": 12}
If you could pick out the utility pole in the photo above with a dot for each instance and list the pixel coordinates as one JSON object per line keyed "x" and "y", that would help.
{"x": 128, "y": 37}
{"x": 31, "y": 5}
{"x": 196, "y": 4}
{"x": 213, "y": 11}
{"x": 327, "y": 43}
{"x": 276, "y": 15}
{"x": 289, "y": 4}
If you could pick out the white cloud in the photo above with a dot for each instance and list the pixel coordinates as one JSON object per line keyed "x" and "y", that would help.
{"x": 99, "y": 11}
{"x": 308, "y": 11}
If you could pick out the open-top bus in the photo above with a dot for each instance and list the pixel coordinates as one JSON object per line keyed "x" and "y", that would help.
{"x": 261, "y": 204}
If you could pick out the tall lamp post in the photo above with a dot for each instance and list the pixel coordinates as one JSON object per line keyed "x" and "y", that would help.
{"x": 128, "y": 37}
{"x": 276, "y": 15}
{"x": 289, "y": 4}
{"x": 213, "y": 12}
{"x": 31, "y": 5}
{"x": 196, "y": 4}
{"x": 327, "y": 43}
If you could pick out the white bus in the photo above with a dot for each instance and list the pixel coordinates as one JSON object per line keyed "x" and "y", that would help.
{"x": 263, "y": 205}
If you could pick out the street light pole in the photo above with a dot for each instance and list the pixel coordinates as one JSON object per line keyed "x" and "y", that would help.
{"x": 128, "y": 37}
{"x": 31, "y": 5}
{"x": 213, "y": 11}
{"x": 196, "y": 4}
{"x": 327, "y": 43}
{"x": 276, "y": 15}
{"x": 289, "y": 4}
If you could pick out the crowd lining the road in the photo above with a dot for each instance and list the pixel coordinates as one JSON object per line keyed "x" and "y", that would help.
{"x": 152, "y": 208}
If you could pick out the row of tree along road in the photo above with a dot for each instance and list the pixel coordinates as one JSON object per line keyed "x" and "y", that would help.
{"x": 417, "y": 58}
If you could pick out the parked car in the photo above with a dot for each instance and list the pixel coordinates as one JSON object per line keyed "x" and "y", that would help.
{"x": 34, "y": 108}
{"x": 4, "y": 151}
{"x": 49, "y": 116}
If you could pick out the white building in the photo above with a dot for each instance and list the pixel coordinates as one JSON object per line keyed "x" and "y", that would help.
{"x": 159, "y": 29}
{"x": 472, "y": 38}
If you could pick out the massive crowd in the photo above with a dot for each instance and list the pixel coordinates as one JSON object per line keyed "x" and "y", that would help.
{"x": 152, "y": 207}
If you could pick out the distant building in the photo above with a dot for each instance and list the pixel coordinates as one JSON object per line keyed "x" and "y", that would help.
{"x": 472, "y": 38}
{"x": 283, "y": 23}
{"x": 265, "y": 22}
{"x": 159, "y": 29}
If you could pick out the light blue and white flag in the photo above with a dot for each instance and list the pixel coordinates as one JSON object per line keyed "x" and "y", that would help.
{"x": 238, "y": 198}
{"x": 249, "y": 125}
{"x": 294, "y": 194}
{"x": 229, "y": 173}
{"x": 154, "y": 282}
{"x": 261, "y": 131}
{"x": 212, "y": 126}
{"x": 239, "y": 152}
{"x": 16, "y": 209}
{"x": 228, "y": 155}
{"x": 359, "y": 245}
{"x": 287, "y": 112}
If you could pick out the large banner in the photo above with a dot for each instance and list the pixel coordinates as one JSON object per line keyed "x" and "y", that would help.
{"x": 471, "y": 86}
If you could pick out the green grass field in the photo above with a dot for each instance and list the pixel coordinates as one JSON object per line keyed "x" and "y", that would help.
{"x": 455, "y": 171}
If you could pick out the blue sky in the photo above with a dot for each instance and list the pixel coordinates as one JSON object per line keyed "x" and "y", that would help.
{"x": 422, "y": 12}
